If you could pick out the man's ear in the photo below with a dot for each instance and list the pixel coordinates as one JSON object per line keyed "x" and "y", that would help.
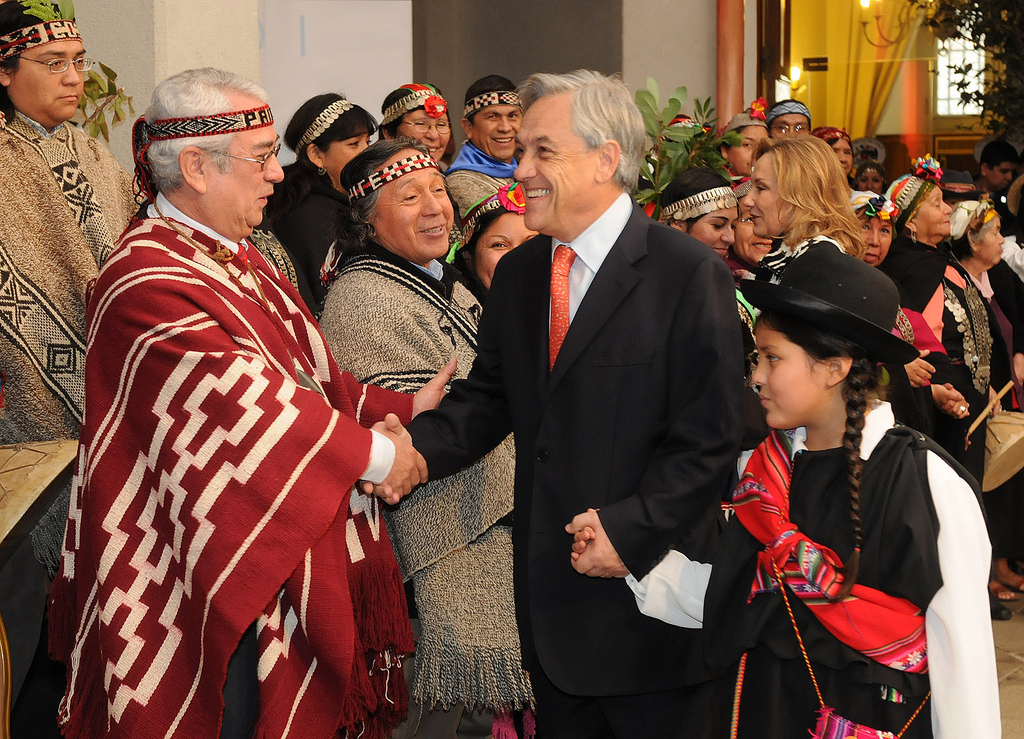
{"x": 467, "y": 127}
{"x": 195, "y": 167}
{"x": 608, "y": 162}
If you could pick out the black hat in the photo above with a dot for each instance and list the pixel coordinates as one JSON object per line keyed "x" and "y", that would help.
{"x": 839, "y": 293}
{"x": 957, "y": 185}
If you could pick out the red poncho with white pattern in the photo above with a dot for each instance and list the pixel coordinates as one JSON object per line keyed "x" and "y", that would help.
{"x": 213, "y": 491}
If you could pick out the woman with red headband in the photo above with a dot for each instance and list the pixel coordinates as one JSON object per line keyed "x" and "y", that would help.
{"x": 418, "y": 112}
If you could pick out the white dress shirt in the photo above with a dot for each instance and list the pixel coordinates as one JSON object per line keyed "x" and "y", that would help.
{"x": 591, "y": 247}
{"x": 382, "y": 449}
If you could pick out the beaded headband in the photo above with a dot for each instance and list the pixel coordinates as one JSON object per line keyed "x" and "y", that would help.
{"x": 325, "y": 120}
{"x": 23, "y": 39}
{"x": 420, "y": 96}
{"x": 700, "y": 204}
{"x": 487, "y": 99}
{"x": 145, "y": 133}
{"x": 509, "y": 197}
{"x": 392, "y": 172}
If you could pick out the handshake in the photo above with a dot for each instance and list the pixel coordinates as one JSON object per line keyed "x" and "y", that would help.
{"x": 409, "y": 468}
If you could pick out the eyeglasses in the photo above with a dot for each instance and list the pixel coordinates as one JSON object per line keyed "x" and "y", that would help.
{"x": 262, "y": 161}
{"x": 441, "y": 127}
{"x": 60, "y": 66}
{"x": 786, "y": 128}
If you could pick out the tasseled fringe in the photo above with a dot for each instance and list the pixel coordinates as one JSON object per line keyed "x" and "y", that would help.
{"x": 491, "y": 679}
{"x": 504, "y": 727}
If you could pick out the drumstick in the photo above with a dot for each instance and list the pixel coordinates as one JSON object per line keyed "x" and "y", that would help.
{"x": 984, "y": 413}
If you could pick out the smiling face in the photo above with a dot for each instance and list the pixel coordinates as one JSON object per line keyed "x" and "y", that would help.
{"x": 47, "y": 98}
{"x": 747, "y": 245}
{"x": 878, "y": 236}
{"x": 567, "y": 186}
{"x": 432, "y": 132}
{"x": 414, "y": 215}
{"x": 713, "y": 229}
{"x": 493, "y": 131}
{"x": 740, "y": 157}
{"x": 764, "y": 204}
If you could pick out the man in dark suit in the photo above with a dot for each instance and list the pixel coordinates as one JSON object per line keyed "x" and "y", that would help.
{"x": 635, "y": 411}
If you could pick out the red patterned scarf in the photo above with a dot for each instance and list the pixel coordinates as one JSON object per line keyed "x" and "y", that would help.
{"x": 887, "y": 629}
{"x": 214, "y": 490}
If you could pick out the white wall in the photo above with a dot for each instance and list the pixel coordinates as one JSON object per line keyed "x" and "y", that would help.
{"x": 146, "y": 41}
{"x": 361, "y": 48}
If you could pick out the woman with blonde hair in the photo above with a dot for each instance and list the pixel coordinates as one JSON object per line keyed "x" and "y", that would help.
{"x": 800, "y": 199}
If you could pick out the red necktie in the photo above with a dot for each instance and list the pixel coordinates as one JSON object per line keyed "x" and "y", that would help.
{"x": 560, "y": 266}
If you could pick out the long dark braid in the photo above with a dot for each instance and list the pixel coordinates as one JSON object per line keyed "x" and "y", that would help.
{"x": 861, "y": 385}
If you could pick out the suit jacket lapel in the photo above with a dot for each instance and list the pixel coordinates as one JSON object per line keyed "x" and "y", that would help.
{"x": 613, "y": 282}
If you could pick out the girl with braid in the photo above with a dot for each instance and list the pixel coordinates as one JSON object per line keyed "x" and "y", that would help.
{"x": 848, "y": 593}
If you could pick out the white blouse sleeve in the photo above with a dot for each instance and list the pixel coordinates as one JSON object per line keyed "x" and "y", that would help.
{"x": 961, "y": 655}
{"x": 673, "y": 591}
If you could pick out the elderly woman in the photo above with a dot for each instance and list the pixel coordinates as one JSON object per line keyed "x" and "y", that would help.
{"x": 397, "y": 312}
{"x": 64, "y": 200}
{"x": 800, "y": 198}
{"x": 945, "y": 309}
{"x": 418, "y": 112}
{"x": 492, "y": 228}
{"x": 977, "y": 242}
{"x": 325, "y": 133}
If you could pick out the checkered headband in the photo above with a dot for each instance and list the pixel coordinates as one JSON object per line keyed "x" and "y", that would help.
{"x": 392, "y": 172}
{"x": 487, "y": 99}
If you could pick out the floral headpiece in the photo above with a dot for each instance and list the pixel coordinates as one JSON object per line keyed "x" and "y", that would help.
{"x": 757, "y": 108}
{"x": 874, "y": 205}
{"x": 325, "y": 120}
{"x": 510, "y": 198}
{"x": 970, "y": 216}
{"x": 927, "y": 168}
{"x": 420, "y": 96}
{"x": 57, "y": 24}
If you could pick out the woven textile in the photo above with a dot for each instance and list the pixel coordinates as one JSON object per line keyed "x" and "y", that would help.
{"x": 396, "y": 329}
{"x": 214, "y": 491}
{"x": 887, "y": 629}
{"x": 19, "y": 41}
{"x": 52, "y": 222}
{"x": 560, "y": 266}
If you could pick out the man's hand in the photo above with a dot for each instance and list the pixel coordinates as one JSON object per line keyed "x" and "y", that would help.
{"x": 593, "y": 554}
{"x": 408, "y": 470}
{"x": 919, "y": 371}
{"x": 428, "y": 396}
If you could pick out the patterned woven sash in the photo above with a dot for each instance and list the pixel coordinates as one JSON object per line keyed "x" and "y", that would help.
{"x": 887, "y": 629}
{"x": 59, "y": 154}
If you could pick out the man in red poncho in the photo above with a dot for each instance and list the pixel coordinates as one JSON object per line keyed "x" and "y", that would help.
{"x": 218, "y": 575}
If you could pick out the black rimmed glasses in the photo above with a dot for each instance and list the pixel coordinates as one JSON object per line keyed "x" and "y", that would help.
{"x": 262, "y": 161}
{"x": 60, "y": 66}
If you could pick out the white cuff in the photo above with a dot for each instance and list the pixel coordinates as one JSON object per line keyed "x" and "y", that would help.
{"x": 382, "y": 457}
{"x": 673, "y": 591}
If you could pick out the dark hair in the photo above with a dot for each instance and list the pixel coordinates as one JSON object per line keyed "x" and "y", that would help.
{"x": 490, "y": 83}
{"x": 866, "y": 164}
{"x": 12, "y": 18}
{"x": 862, "y": 383}
{"x": 466, "y": 256}
{"x": 353, "y": 230}
{"x": 691, "y": 182}
{"x": 999, "y": 151}
{"x": 391, "y": 129}
{"x": 302, "y": 174}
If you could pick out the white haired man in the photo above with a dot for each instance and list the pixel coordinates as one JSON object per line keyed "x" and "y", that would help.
{"x": 217, "y": 576}
{"x": 611, "y": 347}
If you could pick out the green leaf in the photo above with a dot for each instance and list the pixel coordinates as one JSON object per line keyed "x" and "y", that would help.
{"x": 680, "y": 94}
{"x": 67, "y": 9}
{"x": 671, "y": 110}
{"x": 652, "y": 86}
{"x": 108, "y": 72}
